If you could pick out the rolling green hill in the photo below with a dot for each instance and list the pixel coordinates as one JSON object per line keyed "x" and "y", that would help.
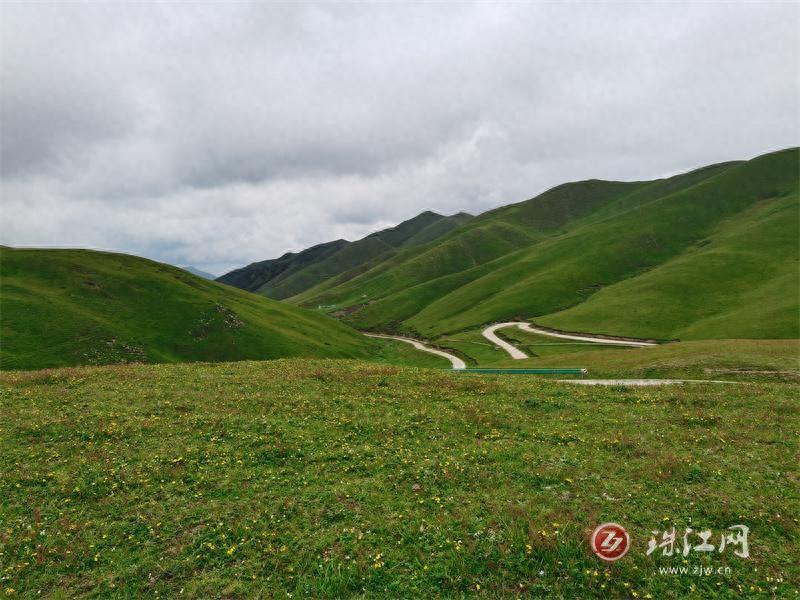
{"x": 293, "y": 273}
{"x": 67, "y": 307}
{"x": 707, "y": 254}
{"x": 752, "y": 256}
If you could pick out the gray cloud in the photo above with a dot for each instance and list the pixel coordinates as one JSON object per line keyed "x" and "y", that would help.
{"x": 216, "y": 135}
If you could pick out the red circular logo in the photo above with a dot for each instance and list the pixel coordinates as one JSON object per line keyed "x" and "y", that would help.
{"x": 610, "y": 541}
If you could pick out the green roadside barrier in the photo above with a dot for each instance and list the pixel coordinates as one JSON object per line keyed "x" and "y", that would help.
{"x": 580, "y": 372}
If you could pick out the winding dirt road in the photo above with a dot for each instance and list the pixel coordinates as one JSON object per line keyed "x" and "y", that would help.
{"x": 489, "y": 334}
{"x": 645, "y": 382}
{"x": 516, "y": 353}
{"x": 454, "y": 360}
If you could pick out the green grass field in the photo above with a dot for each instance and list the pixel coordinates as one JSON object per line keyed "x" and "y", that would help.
{"x": 349, "y": 479}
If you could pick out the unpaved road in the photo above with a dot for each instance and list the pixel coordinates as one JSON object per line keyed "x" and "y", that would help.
{"x": 640, "y": 382}
{"x": 489, "y": 334}
{"x": 454, "y": 360}
{"x": 516, "y": 353}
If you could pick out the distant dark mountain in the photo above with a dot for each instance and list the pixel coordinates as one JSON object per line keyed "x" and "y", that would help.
{"x": 198, "y": 272}
{"x": 294, "y": 273}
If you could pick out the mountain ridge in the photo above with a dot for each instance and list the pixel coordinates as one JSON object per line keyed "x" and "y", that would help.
{"x": 552, "y": 253}
{"x": 295, "y": 272}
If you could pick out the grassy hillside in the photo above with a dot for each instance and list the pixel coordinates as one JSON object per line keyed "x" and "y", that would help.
{"x": 564, "y": 271}
{"x": 491, "y": 235}
{"x": 693, "y": 256}
{"x": 742, "y": 281}
{"x": 67, "y": 307}
{"x": 292, "y": 274}
{"x": 340, "y": 479}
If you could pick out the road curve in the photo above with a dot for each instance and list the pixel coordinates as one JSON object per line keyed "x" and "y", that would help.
{"x": 514, "y": 352}
{"x": 489, "y": 334}
{"x": 454, "y": 360}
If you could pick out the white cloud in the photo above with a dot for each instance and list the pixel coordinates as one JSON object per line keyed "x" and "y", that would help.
{"x": 214, "y": 136}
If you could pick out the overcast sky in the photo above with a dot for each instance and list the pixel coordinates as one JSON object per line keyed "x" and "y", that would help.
{"x": 215, "y": 135}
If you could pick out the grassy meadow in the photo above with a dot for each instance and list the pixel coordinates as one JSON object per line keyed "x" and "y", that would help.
{"x": 322, "y": 478}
